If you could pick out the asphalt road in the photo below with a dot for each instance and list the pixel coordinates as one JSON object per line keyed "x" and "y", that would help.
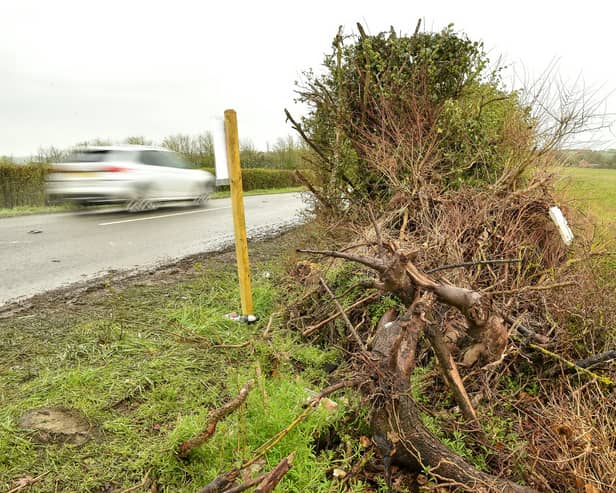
{"x": 48, "y": 251}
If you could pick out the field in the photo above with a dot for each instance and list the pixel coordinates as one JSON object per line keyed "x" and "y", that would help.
{"x": 143, "y": 361}
{"x": 592, "y": 191}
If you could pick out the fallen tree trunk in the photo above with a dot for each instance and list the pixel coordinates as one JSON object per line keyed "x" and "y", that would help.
{"x": 396, "y": 424}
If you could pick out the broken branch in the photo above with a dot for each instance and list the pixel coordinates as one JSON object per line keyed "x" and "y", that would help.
{"x": 215, "y": 417}
{"x": 273, "y": 478}
{"x": 333, "y": 388}
{"x": 371, "y": 262}
{"x": 450, "y": 373}
{"x": 570, "y": 364}
{"x": 525, "y": 289}
{"x": 27, "y": 482}
{"x": 597, "y": 359}
{"x": 472, "y": 264}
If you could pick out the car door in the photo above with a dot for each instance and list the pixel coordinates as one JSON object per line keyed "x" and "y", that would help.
{"x": 184, "y": 175}
{"x": 165, "y": 181}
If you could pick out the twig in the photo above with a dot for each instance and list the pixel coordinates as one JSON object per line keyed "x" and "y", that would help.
{"x": 526, "y": 331}
{"x": 525, "y": 289}
{"x": 28, "y": 482}
{"x": 143, "y": 483}
{"x": 377, "y": 230}
{"x": 361, "y": 301}
{"x": 269, "y": 325}
{"x": 269, "y": 444}
{"x": 222, "y": 482}
{"x": 232, "y": 346}
{"x": 478, "y": 262}
{"x": 313, "y": 190}
{"x": 344, "y": 315}
{"x": 215, "y": 417}
{"x": 371, "y": 262}
{"x": 333, "y": 388}
{"x": 405, "y": 222}
{"x": 307, "y": 139}
{"x": 248, "y": 484}
{"x": 265, "y": 447}
{"x": 273, "y": 478}
{"x": 570, "y": 364}
{"x": 596, "y": 359}
{"x": 450, "y": 372}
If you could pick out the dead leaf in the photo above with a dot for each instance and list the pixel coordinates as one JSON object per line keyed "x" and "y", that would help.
{"x": 24, "y": 481}
{"x": 329, "y": 404}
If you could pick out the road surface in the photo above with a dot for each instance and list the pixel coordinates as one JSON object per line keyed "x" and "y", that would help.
{"x": 48, "y": 251}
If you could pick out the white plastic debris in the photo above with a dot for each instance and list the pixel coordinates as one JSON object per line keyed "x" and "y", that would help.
{"x": 236, "y": 317}
{"x": 559, "y": 219}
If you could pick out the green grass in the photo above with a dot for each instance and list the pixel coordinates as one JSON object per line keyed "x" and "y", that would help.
{"x": 26, "y": 210}
{"x": 220, "y": 195}
{"x": 141, "y": 365}
{"x": 593, "y": 190}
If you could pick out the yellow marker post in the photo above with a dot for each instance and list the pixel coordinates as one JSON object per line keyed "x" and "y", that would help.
{"x": 237, "y": 203}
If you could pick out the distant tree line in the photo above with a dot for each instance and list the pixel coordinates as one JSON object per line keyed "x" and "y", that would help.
{"x": 285, "y": 153}
{"x": 589, "y": 158}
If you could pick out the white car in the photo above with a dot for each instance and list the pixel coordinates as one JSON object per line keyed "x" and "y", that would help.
{"x": 141, "y": 177}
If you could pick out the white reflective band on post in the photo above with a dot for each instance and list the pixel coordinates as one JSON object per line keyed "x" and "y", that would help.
{"x": 561, "y": 222}
{"x": 220, "y": 151}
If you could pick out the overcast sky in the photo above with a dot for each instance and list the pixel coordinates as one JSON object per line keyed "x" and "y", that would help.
{"x": 71, "y": 71}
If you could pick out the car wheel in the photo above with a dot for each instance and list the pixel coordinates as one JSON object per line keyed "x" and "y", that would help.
{"x": 202, "y": 197}
{"x": 142, "y": 201}
{"x": 140, "y": 205}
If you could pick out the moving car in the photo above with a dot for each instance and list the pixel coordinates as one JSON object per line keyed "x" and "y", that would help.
{"x": 140, "y": 177}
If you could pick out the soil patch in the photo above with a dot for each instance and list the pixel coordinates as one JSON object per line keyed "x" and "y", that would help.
{"x": 57, "y": 425}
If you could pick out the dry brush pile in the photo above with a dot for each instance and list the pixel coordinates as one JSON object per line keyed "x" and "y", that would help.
{"x": 466, "y": 318}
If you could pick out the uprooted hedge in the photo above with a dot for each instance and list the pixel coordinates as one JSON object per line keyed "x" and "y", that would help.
{"x": 432, "y": 187}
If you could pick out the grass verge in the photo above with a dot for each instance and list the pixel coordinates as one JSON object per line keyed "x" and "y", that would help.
{"x": 27, "y": 210}
{"x": 222, "y": 195}
{"x": 144, "y": 364}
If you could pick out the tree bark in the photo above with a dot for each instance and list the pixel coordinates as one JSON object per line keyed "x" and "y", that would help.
{"x": 396, "y": 423}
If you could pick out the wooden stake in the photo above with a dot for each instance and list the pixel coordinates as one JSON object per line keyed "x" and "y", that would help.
{"x": 237, "y": 202}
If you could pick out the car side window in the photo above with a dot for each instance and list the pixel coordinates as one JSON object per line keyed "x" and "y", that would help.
{"x": 163, "y": 158}
{"x": 151, "y": 158}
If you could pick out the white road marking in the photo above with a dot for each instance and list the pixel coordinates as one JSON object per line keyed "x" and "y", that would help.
{"x": 162, "y": 216}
